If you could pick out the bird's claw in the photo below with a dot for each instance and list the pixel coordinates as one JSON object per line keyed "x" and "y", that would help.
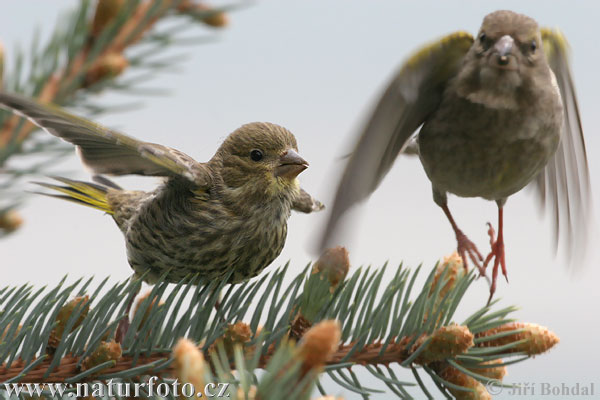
{"x": 122, "y": 329}
{"x": 466, "y": 247}
{"x": 491, "y": 233}
{"x": 497, "y": 253}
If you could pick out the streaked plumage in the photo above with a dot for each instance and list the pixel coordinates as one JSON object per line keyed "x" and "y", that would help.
{"x": 495, "y": 113}
{"x": 229, "y": 213}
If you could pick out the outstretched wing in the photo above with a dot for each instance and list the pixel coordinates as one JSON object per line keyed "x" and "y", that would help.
{"x": 106, "y": 151}
{"x": 415, "y": 91}
{"x": 564, "y": 185}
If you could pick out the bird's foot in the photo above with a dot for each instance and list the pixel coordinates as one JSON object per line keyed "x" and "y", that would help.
{"x": 466, "y": 247}
{"x": 497, "y": 253}
{"x": 124, "y": 323}
{"x": 122, "y": 329}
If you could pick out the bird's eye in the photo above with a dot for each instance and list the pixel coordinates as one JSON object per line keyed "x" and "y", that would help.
{"x": 533, "y": 46}
{"x": 482, "y": 37}
{"x": 256, "y": 155}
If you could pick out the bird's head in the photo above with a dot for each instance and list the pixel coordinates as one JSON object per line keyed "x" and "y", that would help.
{"x": 504, "y": 60}
{"x": 260, "y": 160}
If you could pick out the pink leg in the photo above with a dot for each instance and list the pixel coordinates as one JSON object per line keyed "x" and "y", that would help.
{"x": 464, "y": 245}
{"x": 124, "y": 324}
{"x": 497, "y": 253}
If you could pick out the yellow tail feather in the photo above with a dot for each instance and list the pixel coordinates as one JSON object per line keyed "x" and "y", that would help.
{"x": 88, "y": 194}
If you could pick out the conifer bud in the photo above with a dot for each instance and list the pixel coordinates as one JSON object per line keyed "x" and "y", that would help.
{"x": 204, "y": 13}
{"x": 106, "y": 351}
{"x": 235, "y": 334}
{"x": 446, "y": 342}
{"x": 496, "y": 373}
{"x": 319, "y": 344}
{"x": 538, "y": 339}
{"x": 108, "y": 66}
{"x": 148, "y": 310}
{"x": 10, "y": 221}
{"x": 106, "y": 11}
{"x": 334, "y": 264}
{"x": 63, "y": 316}
{"x": 189, "y": 364}
{"x": 455, "y": 271}
{"x": 456, "y": 377}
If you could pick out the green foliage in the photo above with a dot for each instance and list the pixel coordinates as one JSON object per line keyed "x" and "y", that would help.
{"x": 371, "y": 313}
{"x": 65, "y": 71}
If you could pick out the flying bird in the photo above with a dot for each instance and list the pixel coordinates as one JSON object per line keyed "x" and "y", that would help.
{"x": 496, "y": 112}
{"x": 223, "y": 218}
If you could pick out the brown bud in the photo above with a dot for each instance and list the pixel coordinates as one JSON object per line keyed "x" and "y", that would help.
{"x": 299, "y": 327}
{"x": 335, "y": 263}
{"x": 319, "y": 344}
{"x": 106, "y": 351}
{"x": 10, "y": 221}
{"x": 496, "y": 373}
{"x": 108, "y": 66}
{"x": 205, "y": 13}
{"x": 456, "y": 270}
{"x": 106, "y": 11}
{"x": 446, "y": 342}
{"x": 148, "y": 310}
{"x": 537, "y": 339}
{"x": 63, "y": 317}
{"x": 453, "y": 375}
{"x": 238, "y": 333}
{"x": 189, "y": 364}
{"x": 235, "y": 334}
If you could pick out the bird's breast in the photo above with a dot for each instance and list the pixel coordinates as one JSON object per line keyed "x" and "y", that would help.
{"x": 205, "y": 238}
{"x": 473, "y": 151}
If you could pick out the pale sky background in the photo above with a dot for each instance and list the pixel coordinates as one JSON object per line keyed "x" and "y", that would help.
{"x": 316, "y": 67}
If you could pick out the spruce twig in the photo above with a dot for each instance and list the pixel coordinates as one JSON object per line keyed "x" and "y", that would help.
{"x": 389, "y": 326}
{"x": 89, "y": 50}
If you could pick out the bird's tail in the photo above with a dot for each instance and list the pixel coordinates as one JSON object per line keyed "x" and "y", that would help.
{"x": 86, "y": 193}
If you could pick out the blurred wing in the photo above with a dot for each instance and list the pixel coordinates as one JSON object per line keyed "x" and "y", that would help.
{"x": 106, "y": 151}
{"x": 305, "y": 203}
{"x": 415, "y": 92}
{"x": 564, "y": 185}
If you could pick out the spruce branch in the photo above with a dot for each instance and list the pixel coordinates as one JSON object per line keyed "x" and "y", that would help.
{"x": 89, "y": 50}
{"x": 66, "y": 334}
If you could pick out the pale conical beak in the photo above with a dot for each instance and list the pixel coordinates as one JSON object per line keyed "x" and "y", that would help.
{"x": 504, "y": 56}
{"x": 290, "y": 165}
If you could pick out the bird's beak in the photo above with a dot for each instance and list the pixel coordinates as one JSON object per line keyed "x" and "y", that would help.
{"x": 503, "y": 53}
{"x": 290, "y": 165}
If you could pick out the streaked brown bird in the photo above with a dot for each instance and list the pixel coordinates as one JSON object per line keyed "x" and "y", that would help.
{"x": 496, "y": 113}
{"x": 228, "y": 214}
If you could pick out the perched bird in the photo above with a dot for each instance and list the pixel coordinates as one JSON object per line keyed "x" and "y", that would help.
{"x": 228, "y": 214}
{"x": 496, "y": 113}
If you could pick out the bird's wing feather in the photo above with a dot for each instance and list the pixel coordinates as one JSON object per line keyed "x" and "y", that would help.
{"x": 564, "y": 185}
{"x": 414, "y": 92}
{"x": 305, "y": 203}
{"x": 106, "y": 151}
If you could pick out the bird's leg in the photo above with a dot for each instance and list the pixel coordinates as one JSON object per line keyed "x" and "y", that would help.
{"x": 124, "y": 324}
{"x": 464, "y": 245}
{"x": 497, "y": 252}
